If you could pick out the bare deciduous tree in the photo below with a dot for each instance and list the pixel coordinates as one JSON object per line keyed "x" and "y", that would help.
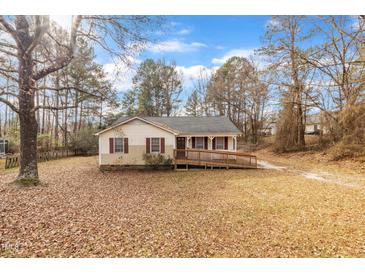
{"x": 236, "y": 91}
{"x": 28, "y": 60}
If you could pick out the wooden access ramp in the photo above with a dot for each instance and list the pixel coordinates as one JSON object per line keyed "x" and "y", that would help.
{"x": 213, "y": 158}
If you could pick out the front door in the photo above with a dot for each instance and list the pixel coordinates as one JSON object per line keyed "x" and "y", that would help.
{"x": 180, "y": 144}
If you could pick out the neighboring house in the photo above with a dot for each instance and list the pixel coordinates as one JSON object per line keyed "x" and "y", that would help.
{"x": 3, "y": 146}
{"x": 269, "y": 128}
{"x": 129, "y": 138}
{"x": 313, "y": 124}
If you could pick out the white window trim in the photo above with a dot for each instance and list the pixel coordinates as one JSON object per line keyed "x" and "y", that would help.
{"x": 159, "y": 145}
{"x": 115, "y": 144}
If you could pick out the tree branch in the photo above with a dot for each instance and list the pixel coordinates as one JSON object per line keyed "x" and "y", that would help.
{"x": 63, "y": 61}
{"x": 65, "y": 88}
{"x": 13, "y": 107}
{"x": 53, "y": 108}
{"x": 7, "y": 45}
{"x": 40, "y": 29}
{"x": 8, "y": 52}
{"x": 9, "y": 28}
{"x": 8, "y": 70}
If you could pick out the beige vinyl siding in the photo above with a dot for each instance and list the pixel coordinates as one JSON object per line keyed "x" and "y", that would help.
{"x": 312, "y": 128}
{"x": 136, "y": 131}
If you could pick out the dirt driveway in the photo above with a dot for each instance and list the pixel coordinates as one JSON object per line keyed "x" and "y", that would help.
{"x": 326, "y": 177}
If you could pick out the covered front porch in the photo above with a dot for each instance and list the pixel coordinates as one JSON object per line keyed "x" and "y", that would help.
{"x": 217, "y": 142}
{"x": 211, "y": 151}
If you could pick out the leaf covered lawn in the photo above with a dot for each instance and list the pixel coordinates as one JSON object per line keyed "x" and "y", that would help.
{"x": 82, "y": 212}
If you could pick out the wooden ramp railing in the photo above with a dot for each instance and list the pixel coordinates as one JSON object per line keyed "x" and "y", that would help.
{"x": 214, "y": 158}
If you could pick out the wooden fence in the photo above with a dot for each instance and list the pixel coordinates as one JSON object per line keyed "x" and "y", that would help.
{"x": 13, "y": 160}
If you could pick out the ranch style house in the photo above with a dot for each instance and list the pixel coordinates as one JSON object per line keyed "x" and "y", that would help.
{"x": 198, "y": 141}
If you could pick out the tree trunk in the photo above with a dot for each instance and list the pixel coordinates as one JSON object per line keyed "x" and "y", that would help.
{"x": 80, "y": 115}
{"x": 297, "y": 90}
{"x": 38, "y": 114}
{"x": 5, "y": 129}
{"x": 101, "y": 113}
{"x": 28, "y": 170}
{"x": 49, "y": 122}
{"x": 301, "y": 129}
{"x": 1, "y": 131}
{"x": 76, "y": 103}
{"x": 65, "y": 141}
{"x": 57, "y": 112}
{"x": 43, "y": 112}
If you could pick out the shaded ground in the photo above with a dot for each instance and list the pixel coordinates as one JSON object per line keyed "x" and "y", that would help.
{"x": 83, "y": 212}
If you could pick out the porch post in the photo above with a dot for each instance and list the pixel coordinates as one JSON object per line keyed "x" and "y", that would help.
{"x": 210, "y": 146}
{"x": 235, "y": 142}
{"x": 188, "y": 141}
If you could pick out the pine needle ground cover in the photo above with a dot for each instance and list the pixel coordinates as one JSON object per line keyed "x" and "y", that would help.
{"x": 81, "y": 212}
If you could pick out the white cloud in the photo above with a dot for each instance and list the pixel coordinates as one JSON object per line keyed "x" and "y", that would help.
{"x": 190, "y": 74}
{"x": 357, "y": 24}
{"x": 175, "y": 46}
{"x": 184, "y": 32}
{"x": 235, "y": 52}
{"x": 120, "y": 74}
{"x": 219, "y": 47}
{"x": 64, "y": 21}
{"x": 174, "y": 23}
{"x": 198, "y": 45}
{"x": 273, "y": 22}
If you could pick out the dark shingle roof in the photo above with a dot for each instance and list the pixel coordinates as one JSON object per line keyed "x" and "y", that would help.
{"x": 196, "y": 125}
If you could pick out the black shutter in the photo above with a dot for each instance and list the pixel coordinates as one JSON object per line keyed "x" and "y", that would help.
{"x": 111, "y": 145}
{"x": 147, "y": 145}
{"x": 162, "y": 145}
{"x": 125, "y": 145}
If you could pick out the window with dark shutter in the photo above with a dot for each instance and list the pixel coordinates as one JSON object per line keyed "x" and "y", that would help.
{"x": 162, "y": 145}
{"x": 205, "y": 142}
{"x": 111, "y": 145}
{"x": 226, "y": 143}
{"x": 192, "y": 142}
{"x": 126, "y": 148}
{"x": 147, "y": 145}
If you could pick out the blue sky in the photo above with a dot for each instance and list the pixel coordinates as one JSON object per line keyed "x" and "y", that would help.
{"x": 217, "y": 35}
{"x": 196, "y": 42}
